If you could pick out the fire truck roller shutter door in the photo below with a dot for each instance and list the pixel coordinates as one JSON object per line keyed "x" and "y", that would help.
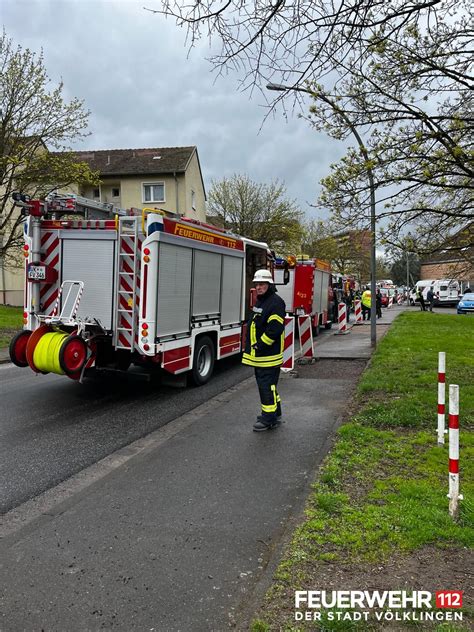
{"x": 92, "y": 261}
{"x": 231, "y": 290}
{"x": 206, "y": 283}
{"x": 174, "y": 290}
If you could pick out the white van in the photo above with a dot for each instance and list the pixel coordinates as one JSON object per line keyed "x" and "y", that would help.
{"x": 423, "y": 285}
{"x": 446, "y": 292}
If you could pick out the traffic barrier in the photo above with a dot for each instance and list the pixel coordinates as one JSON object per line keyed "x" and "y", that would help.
{"x": 306, "y": 336}
{"x": 400, "y": 299}
{"x": 358, "y": 311}
{"x": 390, "y": 302}
{"x": 289, "y": 345}
{"x": 454, "y": 495}
{"x": 341, "y": 319}
{"x": 441, "y": 396}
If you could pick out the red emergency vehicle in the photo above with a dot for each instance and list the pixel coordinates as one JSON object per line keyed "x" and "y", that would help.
{"x": 107, "y": 287}
{"x": 308, "y": 291}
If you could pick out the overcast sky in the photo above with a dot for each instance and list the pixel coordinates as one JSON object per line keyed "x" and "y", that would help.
{"x": 144, "y": 89}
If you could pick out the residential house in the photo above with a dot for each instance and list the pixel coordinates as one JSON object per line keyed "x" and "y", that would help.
{"x": 168, "y": 178}
{"x": 454, "y": 260}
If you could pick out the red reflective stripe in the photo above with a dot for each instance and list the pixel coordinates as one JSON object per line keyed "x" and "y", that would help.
{"x": 229, "y": 340}
{"x": 442, "y": 377}
{"x": 176, "y": 354}
{"x": 441, "y": 409}
{"x": 454, "y": 421}
{"x": 454, "y": 466}
{"x": 145, "y": 288}
{"x": 174, "y": 367}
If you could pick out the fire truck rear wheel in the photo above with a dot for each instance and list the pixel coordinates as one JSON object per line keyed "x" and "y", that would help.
{"x": 17, "y": 348}
{"x": 203, "y": 361}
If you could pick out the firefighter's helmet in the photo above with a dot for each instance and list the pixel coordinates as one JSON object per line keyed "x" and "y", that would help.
{"x": 263, "y": 276}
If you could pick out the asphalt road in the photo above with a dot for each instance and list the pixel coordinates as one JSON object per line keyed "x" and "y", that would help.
{"x": 52, "y": 428}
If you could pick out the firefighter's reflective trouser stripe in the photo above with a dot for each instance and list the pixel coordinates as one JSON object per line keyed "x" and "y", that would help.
{"x": 267, "y": 381}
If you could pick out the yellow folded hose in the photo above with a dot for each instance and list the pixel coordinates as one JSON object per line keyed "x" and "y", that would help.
{"x": 46, "y": 353}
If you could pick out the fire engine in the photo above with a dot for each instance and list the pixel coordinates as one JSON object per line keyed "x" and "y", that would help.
{"x": 307, "y": 290}
{"x": 108, "y": 287}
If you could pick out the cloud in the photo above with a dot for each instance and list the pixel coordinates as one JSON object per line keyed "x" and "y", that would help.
{"x": 145, "y": 89}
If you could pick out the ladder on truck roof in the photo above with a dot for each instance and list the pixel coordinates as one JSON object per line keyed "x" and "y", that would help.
{"x": 126, "y": 316}
{"x": 90, "y": 209}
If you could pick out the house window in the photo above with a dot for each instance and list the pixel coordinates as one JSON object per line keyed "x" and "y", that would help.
{"x": 115, "y": 192}
{"x": 193, "y": 200}
{"x": 96, "y": 193}
{"x": 154, "y": 192}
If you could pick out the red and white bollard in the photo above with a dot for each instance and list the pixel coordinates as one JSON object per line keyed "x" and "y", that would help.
{"x": 306, "y": 336}
{"x": 441, "y": 396}
{"x": 342, "y": 318}
{"x": 454, "y": 495}
{"x": 289, "y": 345}
{"x": 390, "y": 302}
{"x": 358, "y": 311}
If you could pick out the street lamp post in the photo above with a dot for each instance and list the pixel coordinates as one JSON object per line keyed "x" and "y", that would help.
{"x": 363, "y": 150}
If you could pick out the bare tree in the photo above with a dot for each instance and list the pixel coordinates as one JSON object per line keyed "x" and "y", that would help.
{"x": 32, "y": 120}
{"x": 258, "y": 211}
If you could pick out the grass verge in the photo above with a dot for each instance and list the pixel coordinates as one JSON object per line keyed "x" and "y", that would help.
{"x": 377, "y": 517}
{"x": 11, "y": 321}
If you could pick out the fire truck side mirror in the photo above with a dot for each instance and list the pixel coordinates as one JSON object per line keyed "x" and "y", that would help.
{"x": 253, "y": 297}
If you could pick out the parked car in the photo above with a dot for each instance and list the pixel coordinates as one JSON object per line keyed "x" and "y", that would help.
{"x": 385, "y": 293}
{"x": 466, "y": 304}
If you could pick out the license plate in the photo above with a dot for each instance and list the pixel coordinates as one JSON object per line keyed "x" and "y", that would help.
{"x": 37, "y": 273}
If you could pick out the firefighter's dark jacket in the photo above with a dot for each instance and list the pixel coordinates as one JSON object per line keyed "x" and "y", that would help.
{"x": 265, "y": 331}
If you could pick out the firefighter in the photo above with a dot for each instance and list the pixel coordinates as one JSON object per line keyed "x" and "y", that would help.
{"x": 264, "y": 348}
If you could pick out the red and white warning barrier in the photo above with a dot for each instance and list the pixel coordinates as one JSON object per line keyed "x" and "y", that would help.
{"x": 390, "y": 301}
{"x": 441, "y": 396}
{"x": 342, "y": 318}
{"x": 400, "y": 299}
{"x": 454, "y": 495}
{"x": 306, "y": 336}
{"x": 289, "y": 345}
{"x": 358, "y": 311}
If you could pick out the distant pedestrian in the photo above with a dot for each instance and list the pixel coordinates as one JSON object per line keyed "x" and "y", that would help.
{"x": 264, "y": 348}
{"x": 348, "y": 302}
{"x": 419, "y": 296}
{"x": 378, "y": 303}
{"x": 430, "y": 295}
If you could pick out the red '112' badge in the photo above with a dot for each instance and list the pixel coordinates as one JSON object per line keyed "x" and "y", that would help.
{"x": 449, "y": 598}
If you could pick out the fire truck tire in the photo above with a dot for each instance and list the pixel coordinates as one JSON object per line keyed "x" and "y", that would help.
{"x": 73, "y": 355}
{"x": 17, "y": 348}
{"x": 203, "y": 361}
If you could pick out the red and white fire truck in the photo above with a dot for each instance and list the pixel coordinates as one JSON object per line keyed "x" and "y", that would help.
{"x": 106, "y": 288}
{"x": 308, "y": 291}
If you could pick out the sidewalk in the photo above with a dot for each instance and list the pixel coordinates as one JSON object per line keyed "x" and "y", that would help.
{"x": 181, "y": 530}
